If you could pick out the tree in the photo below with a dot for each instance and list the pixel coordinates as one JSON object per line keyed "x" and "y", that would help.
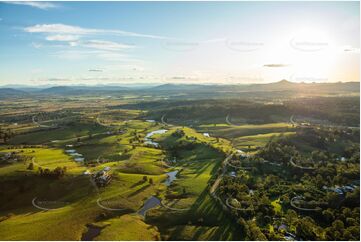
{"x": 151, "y": 181}
{"x": 256, "y": 233}
{"x": 31, "y": 166}
{"x": 305, "y": 228}
{"x": 328, "y": 215}
{"x": 244, "y": 227}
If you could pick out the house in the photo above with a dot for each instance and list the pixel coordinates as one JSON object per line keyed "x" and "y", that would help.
{"x": 87, "y": 172}
{"x": 289, "y": 236}
{"x": 338, "y": 191}
{"x": 348, "y": 188}
{"x": 5, "y": 155}
{"x": 282, "y": 227}
{"x": 79, "y": 159}
{"x": 242, "y": 154}
{"x": 102, "y": 178}
{"x": 233, "y": 174}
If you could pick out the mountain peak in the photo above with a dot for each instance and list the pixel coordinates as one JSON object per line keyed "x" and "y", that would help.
{"x": 284, "y": 82}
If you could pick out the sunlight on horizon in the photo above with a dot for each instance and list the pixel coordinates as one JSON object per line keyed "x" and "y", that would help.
{"x": 240, "y": 42}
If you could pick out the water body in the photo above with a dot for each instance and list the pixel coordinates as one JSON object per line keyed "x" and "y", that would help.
{"x": 148, "y": 139}
{"x": 153, "y": 201}
{"x": 171, "y": 177}
{"x": 150, "y": 203}
{"x": 92, "y": 232}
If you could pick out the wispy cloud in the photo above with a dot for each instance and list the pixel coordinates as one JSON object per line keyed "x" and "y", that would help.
{"x": 82, "y": 43}
{"x": 106, "y": 45}
{"x": 62, "y": 37}
{"x": 76, "y": 30}
{"x": 39, "y": 5}
{"x": 83, "y": 54}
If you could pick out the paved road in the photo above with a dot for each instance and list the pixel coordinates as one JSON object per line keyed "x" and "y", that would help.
{"x": 43, "y": 125}
{"x": 219, "y": 178}
{"x": 229, "y": 122}
{"x": 164, "y": 122}
{"x": 292, "y": 121}
{"x": 301, "y": 167}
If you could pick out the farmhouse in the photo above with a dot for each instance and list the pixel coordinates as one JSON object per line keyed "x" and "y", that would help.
{"x": 102, "y": 178}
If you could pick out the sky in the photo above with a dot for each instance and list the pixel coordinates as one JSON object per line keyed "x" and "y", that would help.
{"x": 103, "y": 43}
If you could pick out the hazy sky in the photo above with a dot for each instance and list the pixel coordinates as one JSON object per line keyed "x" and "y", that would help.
{"x": 66, "y": 43}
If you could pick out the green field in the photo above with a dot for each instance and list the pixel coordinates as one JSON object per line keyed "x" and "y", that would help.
{"x": 34, "y": 206}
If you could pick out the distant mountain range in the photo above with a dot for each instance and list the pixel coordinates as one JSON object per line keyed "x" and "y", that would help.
{"x": 280, "y": 86}
{"x": 10, "y": 92}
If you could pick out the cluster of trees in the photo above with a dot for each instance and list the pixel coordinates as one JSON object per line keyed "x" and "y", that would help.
{"x": 57, "y": 173}
{"x": 341, "y": 110}
{"x": 5, "y": 135}
{"x": 337, "y": 216}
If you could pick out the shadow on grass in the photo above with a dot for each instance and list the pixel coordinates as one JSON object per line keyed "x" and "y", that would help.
{"x": 138, "y": 191}
{"x": 137, "y": 183}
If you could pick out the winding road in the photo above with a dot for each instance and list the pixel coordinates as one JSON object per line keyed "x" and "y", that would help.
{"x": 301, "y": 167}
{"x": 229, "y": 122}
{"x": 43, "y": 125}
{"x": 164, "y": 122}
{"x": 219, "y": 178}
{"x": 302, "y": 209}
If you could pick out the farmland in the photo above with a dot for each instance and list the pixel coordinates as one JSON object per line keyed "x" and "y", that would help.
{"x": 94, "y": 167}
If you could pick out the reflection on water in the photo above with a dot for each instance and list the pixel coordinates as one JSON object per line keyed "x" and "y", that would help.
{"x": 150, "y": 203}
{"x": 149, "y": 141}
{"x": 171, "y": 177}
{"x": 93, "y": 231}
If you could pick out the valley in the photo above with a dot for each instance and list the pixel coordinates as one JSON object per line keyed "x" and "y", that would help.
{"x": 101, "y": 166}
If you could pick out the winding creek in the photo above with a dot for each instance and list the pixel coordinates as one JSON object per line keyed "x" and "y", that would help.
{"x": 148, "y": 140}
{"x": 151, "y": 202}
{"x": 171, "y": 176}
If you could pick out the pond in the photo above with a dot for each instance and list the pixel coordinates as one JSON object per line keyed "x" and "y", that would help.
{"x": 150, "y": 203}
{"x": 93, "y": 231}
{"x": 148, "y": 140}
{"x": 171, "y": 177}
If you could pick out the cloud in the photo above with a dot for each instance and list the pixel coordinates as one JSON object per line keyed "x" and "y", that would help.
{"x": 83, "y": 43}
{"x": 76, "y": 30}
{"x": 81, "y": 54}
{"x": 58, "y": 29}
{"x": 60, "y": 37}
{"x": 39, "y": 5}
{"x": 105, "y": 45}
{"x": 275, "y": 65}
